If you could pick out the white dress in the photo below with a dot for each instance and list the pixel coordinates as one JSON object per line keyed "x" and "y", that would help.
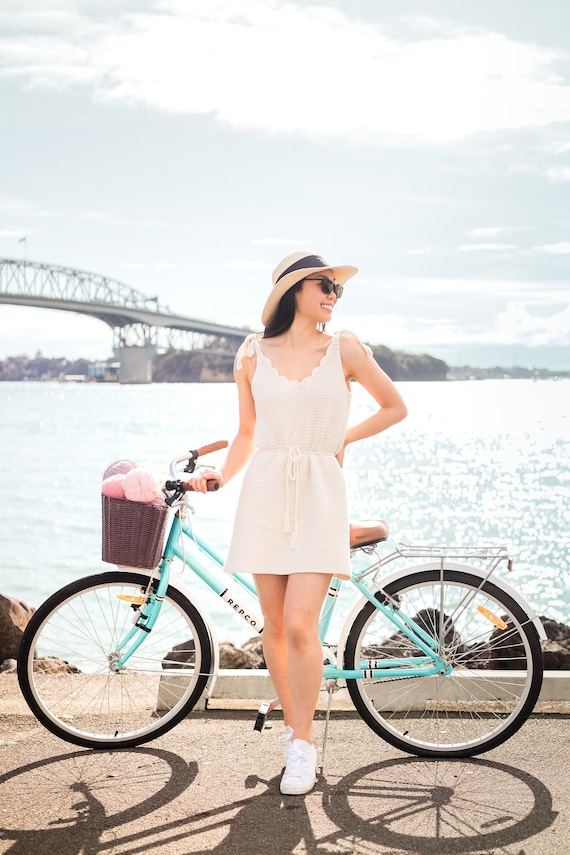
{"x": 292, "y": 514}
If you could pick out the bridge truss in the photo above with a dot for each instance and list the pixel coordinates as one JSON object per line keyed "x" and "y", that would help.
{"x": 136, "y": 320}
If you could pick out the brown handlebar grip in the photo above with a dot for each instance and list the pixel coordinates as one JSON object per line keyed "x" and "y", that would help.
{"x": 213, "y": 446}
{"x": 212, "y": 485}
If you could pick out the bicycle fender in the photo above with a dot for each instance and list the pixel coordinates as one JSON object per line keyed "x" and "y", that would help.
{"x": 403, "y": 572}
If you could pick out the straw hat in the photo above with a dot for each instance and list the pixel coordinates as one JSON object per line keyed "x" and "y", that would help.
{"x": 291, "y": 270}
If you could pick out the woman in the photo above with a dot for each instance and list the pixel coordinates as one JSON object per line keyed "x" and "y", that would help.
{"x": 291, "y": 528}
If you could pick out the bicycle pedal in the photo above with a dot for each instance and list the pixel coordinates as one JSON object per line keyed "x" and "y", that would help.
{"x": 261, "y": 716}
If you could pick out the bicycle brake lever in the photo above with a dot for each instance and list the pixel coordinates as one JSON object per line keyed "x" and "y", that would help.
{"x": 191, "y": 465}
{"x": 176, "y": 486}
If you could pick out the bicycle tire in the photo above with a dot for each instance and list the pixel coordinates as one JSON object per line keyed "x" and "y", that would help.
{"x": 64, "y": 663}
{"x": 496, "y": 676}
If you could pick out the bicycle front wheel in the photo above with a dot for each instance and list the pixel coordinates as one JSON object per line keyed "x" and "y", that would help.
{"x": 481, "y": 632}
{"x": 67, "y": 665}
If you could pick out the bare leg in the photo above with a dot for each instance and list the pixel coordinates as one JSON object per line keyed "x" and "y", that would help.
{"x": 304, "y": 598}
{"x": 271, "y": 590}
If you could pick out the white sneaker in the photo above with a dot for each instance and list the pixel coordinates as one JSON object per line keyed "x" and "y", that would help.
{"x": 286, "y": 738}
{"x": 300, "y": 773}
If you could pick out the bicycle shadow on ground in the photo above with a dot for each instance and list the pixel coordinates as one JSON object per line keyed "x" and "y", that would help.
{"x": 67, "y": 803}
{"x": 397, "y": 806}
{"x": 440, "y": 807}
{"x": 86, "y": 802}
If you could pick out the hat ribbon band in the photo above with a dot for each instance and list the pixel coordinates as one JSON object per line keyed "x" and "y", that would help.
{"x": 304, "y": 263}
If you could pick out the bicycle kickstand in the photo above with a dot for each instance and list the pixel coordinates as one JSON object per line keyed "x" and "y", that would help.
{"x": 330, "y": 686}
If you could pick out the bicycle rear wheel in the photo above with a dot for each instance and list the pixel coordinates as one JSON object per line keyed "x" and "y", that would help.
{"x": 485, "y": 636}
{"x": 65, "y": 664}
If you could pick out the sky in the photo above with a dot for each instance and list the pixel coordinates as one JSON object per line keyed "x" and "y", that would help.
{"x": 185, "y": 148}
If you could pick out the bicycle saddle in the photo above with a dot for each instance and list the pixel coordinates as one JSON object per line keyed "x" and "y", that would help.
{"x": 367, "y": 532}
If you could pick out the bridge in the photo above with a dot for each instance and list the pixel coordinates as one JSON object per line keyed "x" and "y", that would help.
{"x": 141, "y": 326}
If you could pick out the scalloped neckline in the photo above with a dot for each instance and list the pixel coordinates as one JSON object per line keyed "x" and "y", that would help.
{"x": 307, "y": 376}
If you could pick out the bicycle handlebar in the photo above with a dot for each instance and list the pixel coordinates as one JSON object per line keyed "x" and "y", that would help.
{"x": 184, "y": 486}
{"x": 212, "y": 485}
{"x": 212, "y": 446}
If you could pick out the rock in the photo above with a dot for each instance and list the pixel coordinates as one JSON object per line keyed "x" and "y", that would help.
{"x": 180, "y": 655}
{"x": 250, "y": 655}
{"x": 254, "y": 647}
{"x": 556, "y": 651}
{"x": 53, "y": 665}
{"x": 555, "y": 631}
{"x": 8, "y": 665}
{"x": 14, "y": 617}
{"x": 233, "y": 657}
{"x": 554, "y": 656}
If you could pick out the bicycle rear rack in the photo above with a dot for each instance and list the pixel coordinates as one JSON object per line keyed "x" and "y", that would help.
{"x": 483, "y": 553}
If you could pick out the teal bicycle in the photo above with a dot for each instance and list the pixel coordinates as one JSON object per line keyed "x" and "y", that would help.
{"x": 441, "y": 657}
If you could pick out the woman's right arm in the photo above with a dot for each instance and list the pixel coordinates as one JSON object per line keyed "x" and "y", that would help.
{"x": 242, "y": 447}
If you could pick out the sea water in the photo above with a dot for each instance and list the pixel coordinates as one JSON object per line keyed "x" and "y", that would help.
{"x": 480, "y": 462}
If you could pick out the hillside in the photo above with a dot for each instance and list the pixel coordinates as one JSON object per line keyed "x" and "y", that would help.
{"x": 182, "y": 366}
{"x": 203, "y": 366}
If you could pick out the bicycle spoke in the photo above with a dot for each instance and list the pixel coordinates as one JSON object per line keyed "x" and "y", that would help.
{"x": 490, "y": 650}
{"x": 71, "y": 673}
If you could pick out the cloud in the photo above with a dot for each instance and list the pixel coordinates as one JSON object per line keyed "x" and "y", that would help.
{"x": 269, "y": 241}
{"x": 426, "y": 250}
{"x": 25, "y": 208}
{"x": 103, "y": 217}
{"x": 518, "y": 323}
{"x": 561, "y": 248}
{"x": 419, "y": 314}
{"x": 486, "y": 247}
{"x": 487, "y": 231}
{"x": 15, "y": 233}
{"x": 432, "y": 82}
{"x": 514, "y": 322}
{"x": 558, "y": 173}
{"x": 249, "y": 265}
{"x": 470, "y": 290}
{"x": 106, "y": 218}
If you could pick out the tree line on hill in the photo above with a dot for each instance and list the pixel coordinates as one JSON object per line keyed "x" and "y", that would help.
{"x": 206, "y": 366}
{"x": 200, "y": 366}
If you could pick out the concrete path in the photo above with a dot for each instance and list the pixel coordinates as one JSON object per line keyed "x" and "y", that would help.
{"x": 212, "y": 785}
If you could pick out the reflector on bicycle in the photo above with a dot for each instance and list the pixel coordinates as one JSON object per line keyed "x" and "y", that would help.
{"x": 495, "y": 619}
{"x": 128, "y": 598}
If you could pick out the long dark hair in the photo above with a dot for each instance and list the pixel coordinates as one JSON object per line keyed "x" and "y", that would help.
{"x": 285, "y": 313}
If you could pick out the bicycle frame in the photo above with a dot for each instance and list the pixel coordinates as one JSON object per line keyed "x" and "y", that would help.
{"x": 429, "y": 664}
{"x": 475, "y": 639}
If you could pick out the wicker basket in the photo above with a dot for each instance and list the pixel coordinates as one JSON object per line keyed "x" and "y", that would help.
{"x": 133, "y": 532}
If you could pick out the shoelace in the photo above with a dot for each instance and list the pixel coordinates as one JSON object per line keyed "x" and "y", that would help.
{"x": 296, "y": 761}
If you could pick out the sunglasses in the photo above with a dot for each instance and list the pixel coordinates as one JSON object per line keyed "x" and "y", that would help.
{"x": 327, "y": 285}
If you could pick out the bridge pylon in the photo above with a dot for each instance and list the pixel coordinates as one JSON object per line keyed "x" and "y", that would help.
{"x": 135, "y": 363}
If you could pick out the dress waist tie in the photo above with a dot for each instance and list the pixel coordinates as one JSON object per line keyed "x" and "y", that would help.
{"x": 292, "y": 483}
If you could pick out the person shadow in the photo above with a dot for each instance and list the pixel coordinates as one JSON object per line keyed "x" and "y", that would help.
{"x": 268, "y": 822}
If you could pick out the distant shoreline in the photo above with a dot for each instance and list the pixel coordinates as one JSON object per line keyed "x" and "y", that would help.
{"x": 201, "y": 366}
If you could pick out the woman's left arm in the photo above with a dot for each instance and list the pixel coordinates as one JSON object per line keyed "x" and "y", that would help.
{"x": 360, "y": 365}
